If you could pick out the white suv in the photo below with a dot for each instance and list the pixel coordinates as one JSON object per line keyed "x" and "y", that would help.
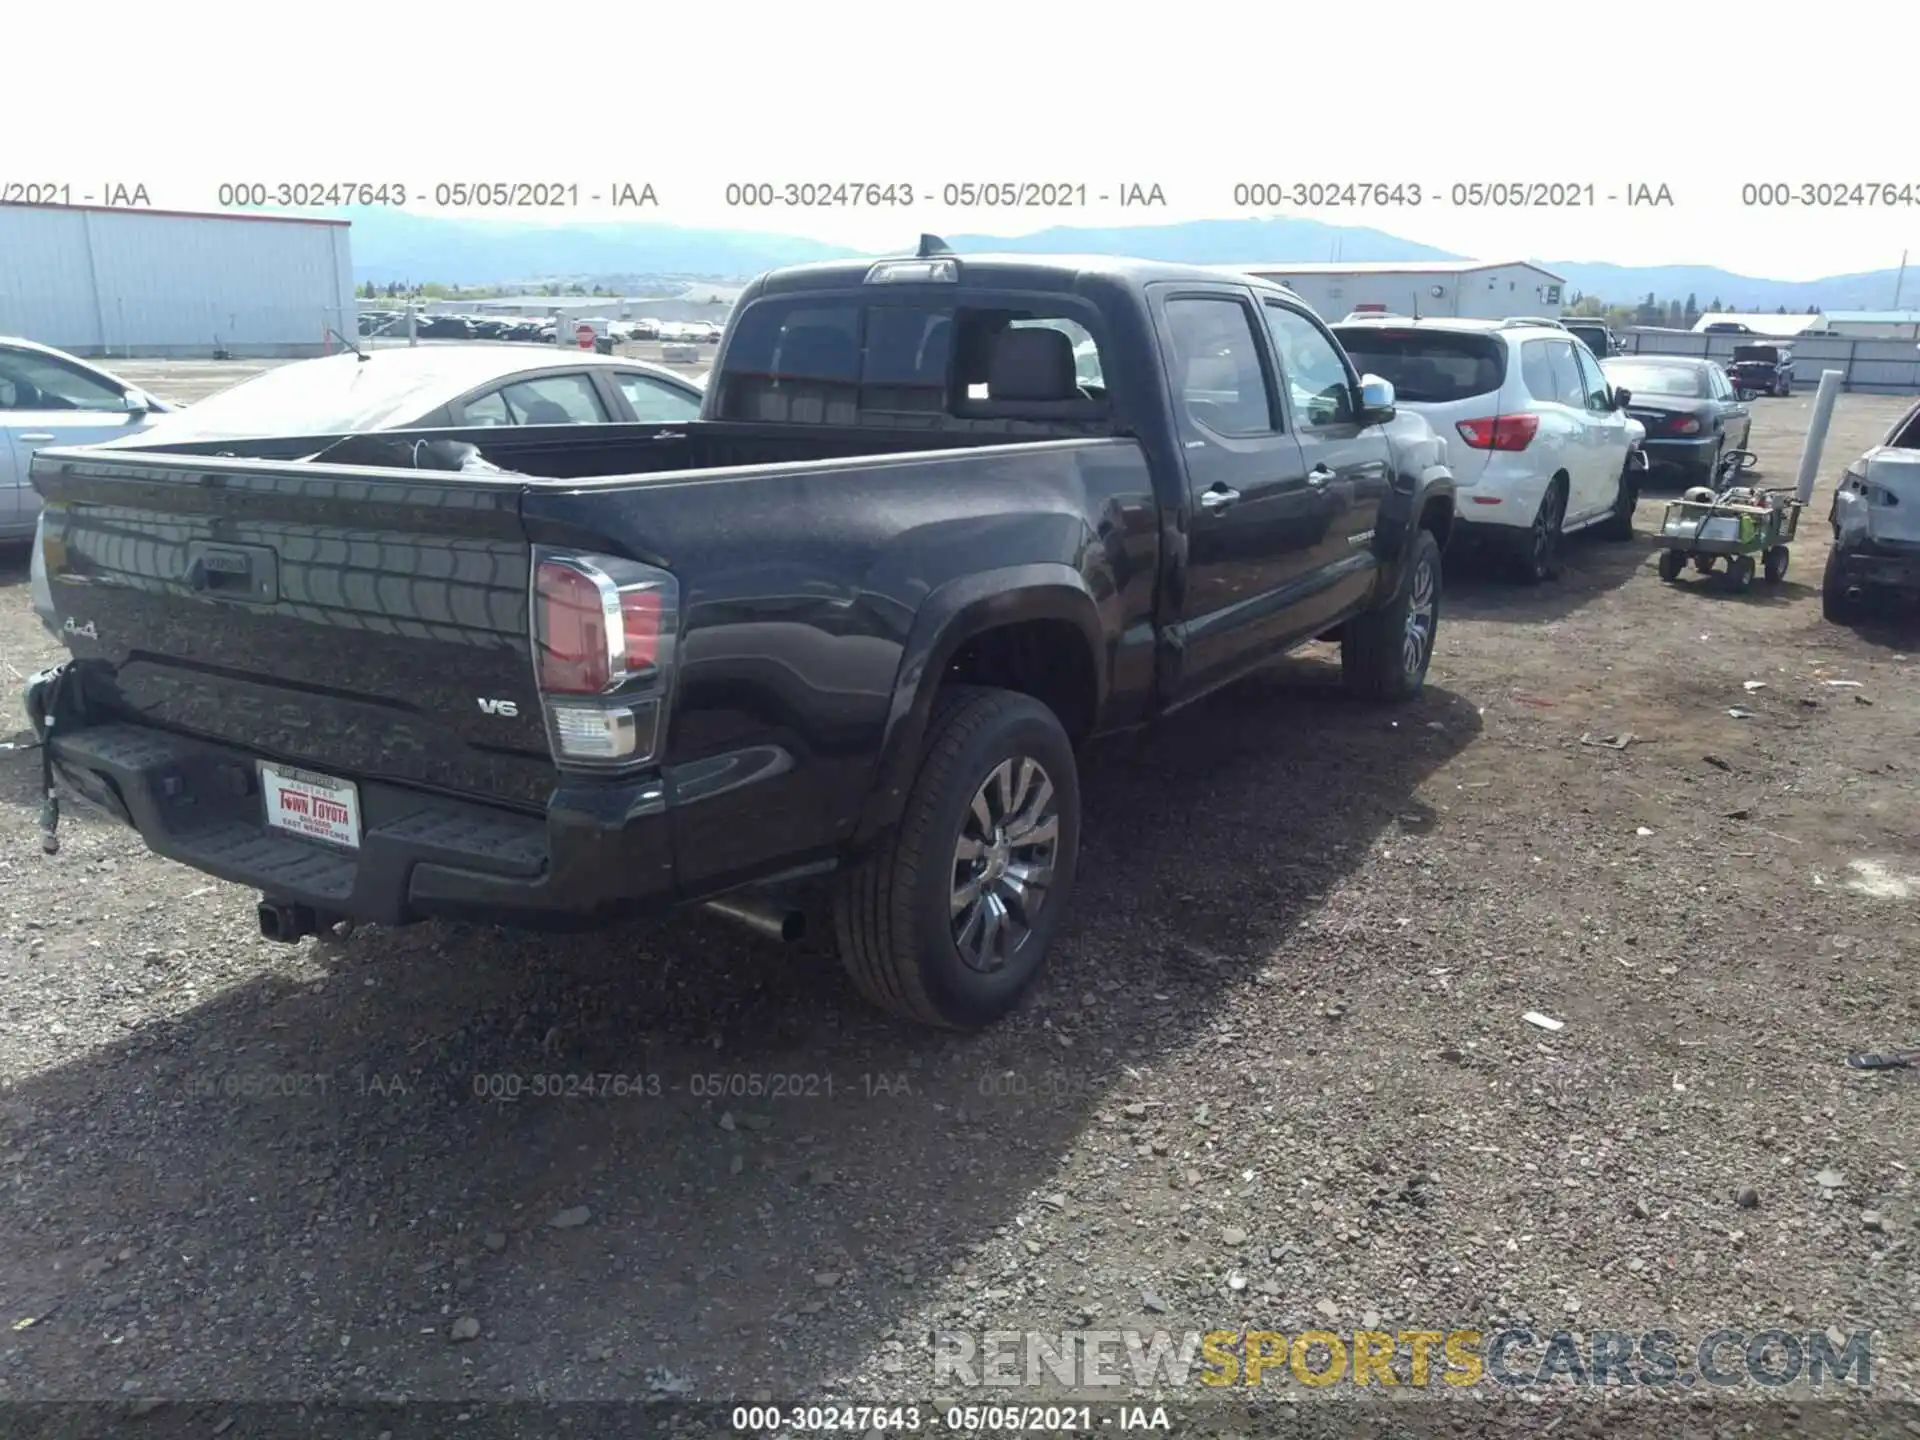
{"x": 1536, "y": 437}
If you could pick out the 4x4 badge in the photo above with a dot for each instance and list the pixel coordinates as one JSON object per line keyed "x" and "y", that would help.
{"x": 74, "y": 628}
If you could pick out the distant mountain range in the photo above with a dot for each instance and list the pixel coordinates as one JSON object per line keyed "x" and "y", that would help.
{"x": 389, "y": 246}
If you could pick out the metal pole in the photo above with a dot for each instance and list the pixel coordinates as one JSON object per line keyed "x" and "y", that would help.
{"x": 1823, "y": 400}
{"x": 1900, "y": 280}
{"x": 413, "y": 324}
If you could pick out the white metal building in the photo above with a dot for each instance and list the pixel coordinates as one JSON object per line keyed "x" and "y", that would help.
{"x": 96, "y": 280}
{"x": 1471, "y": 289}
{"x": 1778, "y": 327}
{"x": 1875, "y": 324}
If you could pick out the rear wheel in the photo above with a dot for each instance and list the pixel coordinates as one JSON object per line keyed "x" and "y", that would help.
{"x": 950, "y": 921}
{"x": 1703, "y": 564}
{"x": 1838, "y": 601}
{"x": 1672, "y": 562}
{"x": 1776, "y": 564}
{"x": 1538, "y": 559}
{"x": 1740, "y": 572}
{"x": 1384, "y": 653}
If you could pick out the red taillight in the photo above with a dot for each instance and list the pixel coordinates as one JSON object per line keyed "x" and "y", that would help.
{"x": 1499, "y": 432}
{"x": 603, "y": 638}
{"x": 1684, "y": 425}
{"x": 640, "y": 612}
{"x": 577, "y": 644}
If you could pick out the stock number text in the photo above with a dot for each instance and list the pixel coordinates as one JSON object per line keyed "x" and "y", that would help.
{"x": 1831, "y": 195}
{"x": 566, "y": 1086}
{"x": 848, "y": 1419}
{"x": 818, "y": 194}
{"x": 301, "y": 194}
{"x": 1313, "y": 194}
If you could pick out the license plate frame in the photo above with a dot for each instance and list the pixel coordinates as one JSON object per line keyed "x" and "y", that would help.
{"x": 328, "y": 812}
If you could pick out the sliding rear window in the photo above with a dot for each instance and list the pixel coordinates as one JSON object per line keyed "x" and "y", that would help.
{"x": 845, "y": 361}
{"x": 1430, "y": 366}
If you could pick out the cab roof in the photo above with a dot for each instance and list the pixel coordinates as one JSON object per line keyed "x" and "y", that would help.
{"x": 1010, "y": 271}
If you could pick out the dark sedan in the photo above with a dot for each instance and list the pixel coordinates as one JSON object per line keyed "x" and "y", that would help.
{"x": 1689, "y": 408}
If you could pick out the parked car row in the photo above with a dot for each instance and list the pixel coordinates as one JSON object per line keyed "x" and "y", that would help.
{"x": 534, "y": 329}
{"x": 433, "y": 326}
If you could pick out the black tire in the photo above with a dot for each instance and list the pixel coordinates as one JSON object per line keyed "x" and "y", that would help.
{"x": 1672, "y": 562}
{"x": 1775, "y": 564}
{"x": 1703, "y": 564}
{"x": 1537, "y": 556}
{"x": 893, "y": 915}
{"x": 1835, "y": 603}
{"x": 1619, "y": 524}
{"x": 1740, "y": 572}
{"x": 1385, "y": 653}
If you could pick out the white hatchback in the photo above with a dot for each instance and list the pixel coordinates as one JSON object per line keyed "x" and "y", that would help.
{"x": 1536, "y": 437}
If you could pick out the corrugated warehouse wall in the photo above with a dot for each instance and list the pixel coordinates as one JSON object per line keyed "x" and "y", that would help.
{"x": 140, "y": 282}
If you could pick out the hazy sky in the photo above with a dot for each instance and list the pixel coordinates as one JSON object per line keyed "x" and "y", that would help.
{"x": 1195, "y": 98}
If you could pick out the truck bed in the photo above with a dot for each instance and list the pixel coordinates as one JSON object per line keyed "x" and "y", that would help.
{"x": 574, "y": 452}
{"x": 375, "y": 624}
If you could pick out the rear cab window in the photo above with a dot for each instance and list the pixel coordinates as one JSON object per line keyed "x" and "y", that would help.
{"x": 1434, "y": 367}
{"x": 972, "y": 360}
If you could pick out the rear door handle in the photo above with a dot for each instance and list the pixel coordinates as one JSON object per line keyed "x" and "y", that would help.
{"x": 1319, "y": 476}
{"x": 39, "y": 435}
{"x": 1218, "y": 498}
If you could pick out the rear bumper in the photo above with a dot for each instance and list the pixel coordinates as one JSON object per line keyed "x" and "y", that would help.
{"x": 1687, "y": 452}
{"x": 1884, "y": 564}
{"x": 599, "y": 851}
{"x": 1503, "y": 496}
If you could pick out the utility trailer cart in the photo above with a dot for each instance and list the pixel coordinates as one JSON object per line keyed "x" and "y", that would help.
{"x": 1748, "y": 526}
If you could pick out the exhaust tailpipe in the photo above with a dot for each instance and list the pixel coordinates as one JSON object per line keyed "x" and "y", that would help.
{"x": 1855, "y": 594}
{"x": 287, "y": 924}
{"x": 776, "y": 922}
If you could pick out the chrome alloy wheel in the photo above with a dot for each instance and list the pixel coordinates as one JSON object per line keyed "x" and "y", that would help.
{"x": 1003, "y": 863}
{"x": 1418, "y": 642}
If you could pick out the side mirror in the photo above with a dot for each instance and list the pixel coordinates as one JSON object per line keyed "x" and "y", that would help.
{"x": 1376, "y": 400}
{"x": 1621, "y": 399}
{"x": 137, "y": 403}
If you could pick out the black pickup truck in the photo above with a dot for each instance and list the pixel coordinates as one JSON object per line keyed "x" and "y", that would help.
{"x": 941, "y": 520}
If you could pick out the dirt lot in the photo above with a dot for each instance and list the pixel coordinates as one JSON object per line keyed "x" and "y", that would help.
{"x": 1277, "y": 1076}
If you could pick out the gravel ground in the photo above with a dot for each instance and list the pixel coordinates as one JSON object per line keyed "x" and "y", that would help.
{"x": 1277, "y": 1077}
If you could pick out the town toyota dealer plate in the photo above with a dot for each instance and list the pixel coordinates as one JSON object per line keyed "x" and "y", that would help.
{"x": 314, "y": 807}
